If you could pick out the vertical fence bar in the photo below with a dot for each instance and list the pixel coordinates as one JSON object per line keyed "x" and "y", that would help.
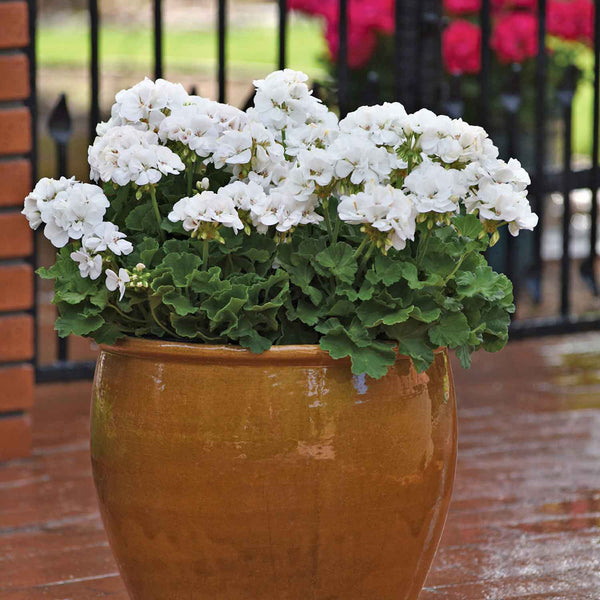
{"x": 535, "y": 271}
{"x": 484, "y": 75}
{"x": 588, "y": 266}
{"x": 511, "y": 102}
{"x": 566, "y": 94}
{"x": 158, "y": 39}
{"x": 430, "y": 54}
{"x": 406, "y": 51}
{"x": 222, "y": 40}
{"x": 283, "y": 13}
{"x": 94, "y": 67}
{"x": 342, "y": 63}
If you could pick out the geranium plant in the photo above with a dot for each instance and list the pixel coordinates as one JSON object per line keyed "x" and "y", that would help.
{"x": 281, "y": 225}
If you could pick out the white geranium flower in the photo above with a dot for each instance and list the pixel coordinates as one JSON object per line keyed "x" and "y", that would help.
{"x": 107, "y": 236}
{"x": 192, "y": 126}
{"x": 360, "y": 160}
{"x": 126, "y": 154}
{"x": 89, "y": 265}
{"x": 434, "y": 188}
{"x": 385, "y": 208}
{"x": 120, "y": 281}
{"x": 234, "y": 148}
{"x": 419, "y": 121}
{"x": 283, "y": 211}
{"x": 145, "y": 105}
{"x": 511, "y": 172}
{"x": 73, "y": 212}
{"x": 283, "y": 98}
{"x": 317, "y": 165}
{"x": 382, "y": 124}
{"x": 206, "y": 207}
{"x": 244, "y": 195}
{"x": 44, "y": 191}
{"x": 501, "y": 202}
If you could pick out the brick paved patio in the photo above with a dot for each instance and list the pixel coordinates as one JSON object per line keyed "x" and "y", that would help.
{"x": 524, "y": 523}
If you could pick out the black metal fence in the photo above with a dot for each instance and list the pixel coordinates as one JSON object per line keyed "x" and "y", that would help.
{"x": 418, "y": 80}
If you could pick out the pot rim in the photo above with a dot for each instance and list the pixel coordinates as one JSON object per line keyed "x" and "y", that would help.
{"x": 170, "y": 350}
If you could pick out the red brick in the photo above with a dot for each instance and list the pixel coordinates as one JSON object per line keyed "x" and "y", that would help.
{"x": 16, "y": 285}
{"x": 16, "y": 388}
{"x": 15, "y": 181}
{"x": 15, "y": 437}
{"x": 14, "y": 76}
{"x": 14, "y": 25}
{"x": 15, "y": 130}
{"x": 16, "y": 238}
{"x": 16, "y": 338}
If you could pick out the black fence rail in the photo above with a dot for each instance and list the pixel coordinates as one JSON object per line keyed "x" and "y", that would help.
{"x": 419, "y": 80}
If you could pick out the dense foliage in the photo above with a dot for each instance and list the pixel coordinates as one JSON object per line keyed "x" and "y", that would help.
{"x": 282, "y": 226}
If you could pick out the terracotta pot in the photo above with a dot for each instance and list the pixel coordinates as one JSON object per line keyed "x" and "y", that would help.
{"x": 224, "y": 475}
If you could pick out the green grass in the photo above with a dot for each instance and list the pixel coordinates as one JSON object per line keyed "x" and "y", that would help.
{"x": 185, "y": 51}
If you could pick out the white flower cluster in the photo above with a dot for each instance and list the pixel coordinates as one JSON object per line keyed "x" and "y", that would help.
{"x": 278, "y": 163}
{"x": 385, "y": 208}
{"x": 70, "y": 210}
{"x": 125, "y": 154}
{"x": 439, "y": 162}
{"x": 145, "y": 105}
{"x": 248, "y": 200}
{"x": 286, "y": 106}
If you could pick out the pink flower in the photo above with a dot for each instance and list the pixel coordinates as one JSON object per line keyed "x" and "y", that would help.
{"x": 362, "y": 42}
{"x": 459, "y": 7}
{"x": 515, "y": 37}
{"x": 461, "y": 47}
{"x": 572, "y": 20}
{"x": 499, "y": 5}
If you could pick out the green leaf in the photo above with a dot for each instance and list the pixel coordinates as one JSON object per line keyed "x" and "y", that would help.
{"x": 464, "y": 356}
{"x": 482, "y": 282}
{"x": 468, "y": 226}
{"x": 339, "y": 260}
{"x": 76, "y": 323}
{"x": 141, "y": 218}
{"x": 373, "y": 313}
{"x": 451, "y": 330}
{"x": 182, "y": 304}
{"x": 413, "y": 341}
{"x": 181, "y": 265}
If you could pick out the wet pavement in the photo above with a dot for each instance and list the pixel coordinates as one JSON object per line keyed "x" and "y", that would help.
{"x": 525, "y": 516}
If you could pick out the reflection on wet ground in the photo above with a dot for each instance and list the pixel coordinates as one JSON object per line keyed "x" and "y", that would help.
{"x": 524, "y": 522}
{"x": 525, "y": 518}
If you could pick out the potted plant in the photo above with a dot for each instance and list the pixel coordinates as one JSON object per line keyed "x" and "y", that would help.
{"x": 274, "y": 293}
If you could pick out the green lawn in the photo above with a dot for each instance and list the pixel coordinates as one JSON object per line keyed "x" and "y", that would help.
{"x": 185, "y": 51}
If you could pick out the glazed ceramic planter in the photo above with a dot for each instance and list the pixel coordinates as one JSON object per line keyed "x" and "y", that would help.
{"x": 224, "y": 475}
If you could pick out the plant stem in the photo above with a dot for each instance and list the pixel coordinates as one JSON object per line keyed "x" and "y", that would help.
{"x": 458, "y": 265}
{"x": 156, "y": 320}
{"x": 161, "y": 233}
{"x": 336, "y": 231}
{"x": 359, "y": 250}
{"x": 366, "y": 257}
{"x": 423, "y": 243}
{"x": 125, "y": 315}
{"x": 205, "y": 255}
{"x": 328, "y": 221}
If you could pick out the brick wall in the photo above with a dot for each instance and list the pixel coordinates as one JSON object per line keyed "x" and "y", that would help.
{"x": 16, "y": 240}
